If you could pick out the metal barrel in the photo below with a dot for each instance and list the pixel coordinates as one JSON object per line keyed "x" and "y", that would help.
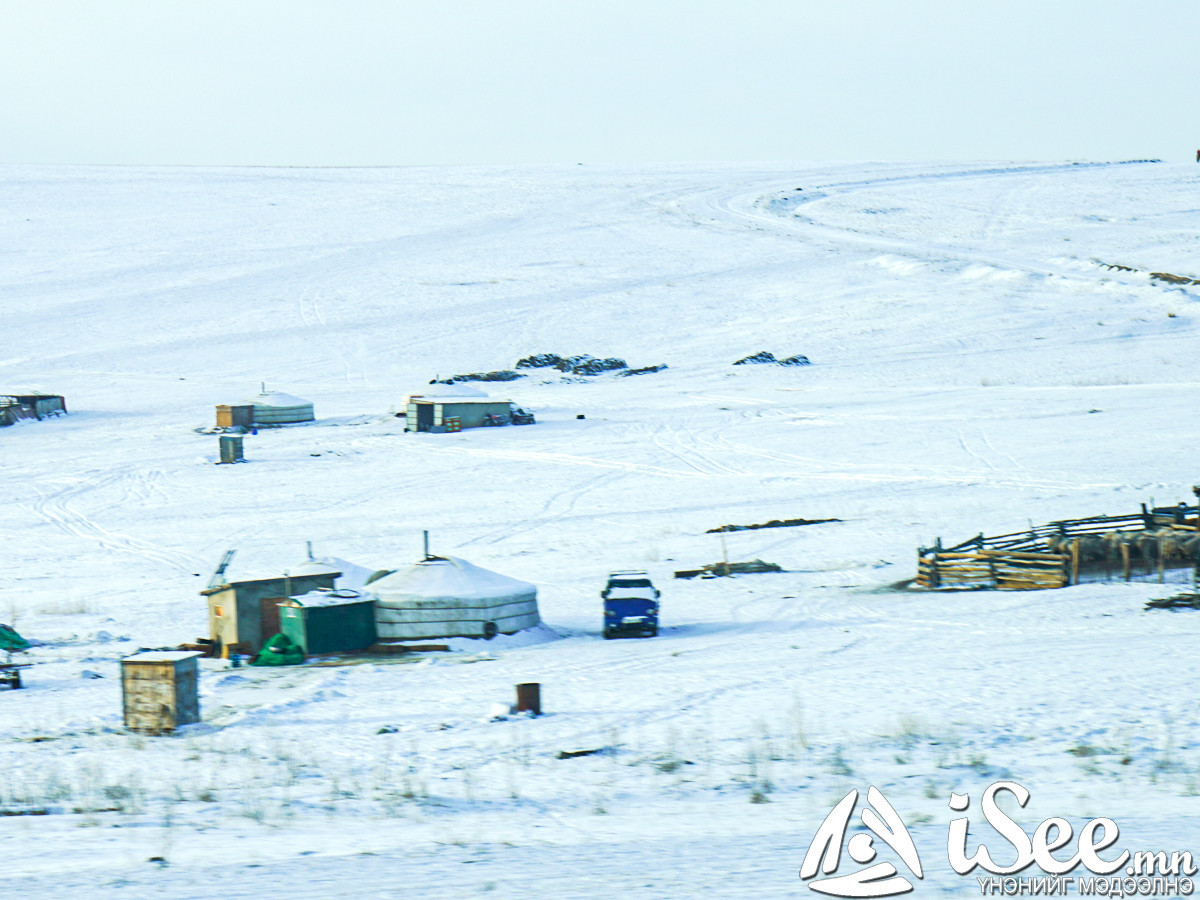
{"x": 529, "y": 698}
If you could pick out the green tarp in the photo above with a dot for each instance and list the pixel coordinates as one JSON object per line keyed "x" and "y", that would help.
{"x": 279, "y": 651}
{"x": 11, "y": 641}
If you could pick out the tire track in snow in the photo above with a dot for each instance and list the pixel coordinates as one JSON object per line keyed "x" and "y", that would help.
{"x": 58, "y": 508}
{"x": 556, "y": 508}
{"x": 813, "y": 468}
{"x": 685, "y": 444}
{"x": 754, "y": 210}
{"x": 564, "y": 458}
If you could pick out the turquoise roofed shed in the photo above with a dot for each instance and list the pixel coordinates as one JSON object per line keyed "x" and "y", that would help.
{"x": 329, "y": 621}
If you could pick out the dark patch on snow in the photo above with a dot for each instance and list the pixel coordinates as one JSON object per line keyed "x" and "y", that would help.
{"x": 765, "y": 357}
{"x": 762, "y": 356}
{"x": 1164, "y": 277}
{"x": 645, "y": 370}
{"x": 572, "y": 754}
{"x": 540, "y": 361}
{"x": 583, "y": 364}
{"x": 774, "y": 523}
{"x": 501, "y": 375}
{"x": 589, "y": 365}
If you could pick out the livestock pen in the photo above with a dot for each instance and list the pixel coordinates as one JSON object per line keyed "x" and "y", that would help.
{"x": 1143, "y": 546}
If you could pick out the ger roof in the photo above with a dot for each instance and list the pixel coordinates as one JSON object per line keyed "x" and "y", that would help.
{"x": 449, "y": 577}
{"x": 277, "y": 399}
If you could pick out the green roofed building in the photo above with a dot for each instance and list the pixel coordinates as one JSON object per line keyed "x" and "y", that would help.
{"x": 245, "y": 613}
{"x": 324, "y": 621}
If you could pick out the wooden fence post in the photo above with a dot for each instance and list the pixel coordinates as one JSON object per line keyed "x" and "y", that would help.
{"x": 1125, "y": 559}
{"x": 1074, "y": 562}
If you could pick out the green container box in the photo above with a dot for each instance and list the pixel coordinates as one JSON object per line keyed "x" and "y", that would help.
{"x": 324, "y": 622}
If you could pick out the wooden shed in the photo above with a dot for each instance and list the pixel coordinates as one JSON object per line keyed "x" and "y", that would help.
{"x": 245, "y": 613}
{"x": 160, "y": 690}
{"x": 329, "y": 621}
{"x": 234, "y": 416}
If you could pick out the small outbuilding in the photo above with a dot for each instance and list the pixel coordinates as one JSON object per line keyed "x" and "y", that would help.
{"x": 245, "y": 613}
{"x": 329, "y": 621}
{"x": 241, "y": 415}
{"x": 441, "y": 414}
{"x": 160, "y": 690}
{"x": 14, "y": 407}
{"x": 232, "y": 449}
{"x": 442, "y": 597}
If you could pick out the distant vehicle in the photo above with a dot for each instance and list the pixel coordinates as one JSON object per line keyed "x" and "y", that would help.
{"x": 521, "y": 417}
{"x": 630, "y": 605}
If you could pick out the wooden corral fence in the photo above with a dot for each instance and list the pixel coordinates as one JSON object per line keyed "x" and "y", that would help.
{"x": 1004, "y": 570}
{"x": 1100, "y": 548}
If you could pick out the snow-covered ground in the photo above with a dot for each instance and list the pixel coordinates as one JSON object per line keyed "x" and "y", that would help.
{"x": 975, "y": 367}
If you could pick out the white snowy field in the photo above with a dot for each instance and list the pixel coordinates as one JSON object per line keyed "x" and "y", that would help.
{"x": 975, "y": 367}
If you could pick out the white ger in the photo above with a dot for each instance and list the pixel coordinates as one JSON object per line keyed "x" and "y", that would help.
{"x": 442, "y": 597}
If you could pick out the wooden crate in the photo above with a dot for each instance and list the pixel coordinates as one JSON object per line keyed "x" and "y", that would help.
{"x": 160, "y": 690}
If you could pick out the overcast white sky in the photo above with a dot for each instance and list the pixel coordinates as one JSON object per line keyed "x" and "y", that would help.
{"x": 370, "y": 82}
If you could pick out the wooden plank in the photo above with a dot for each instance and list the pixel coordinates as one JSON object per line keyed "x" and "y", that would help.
{"x": 1032, "y": 574}
{"x": 1029, "y": 568}
{"x": 1035, "y": 557}
{"x": 1057, "y": 581}
{"x": 997, "y": 554}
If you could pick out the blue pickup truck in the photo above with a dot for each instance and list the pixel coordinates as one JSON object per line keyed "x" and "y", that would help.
{"x": 630, "y": 605}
